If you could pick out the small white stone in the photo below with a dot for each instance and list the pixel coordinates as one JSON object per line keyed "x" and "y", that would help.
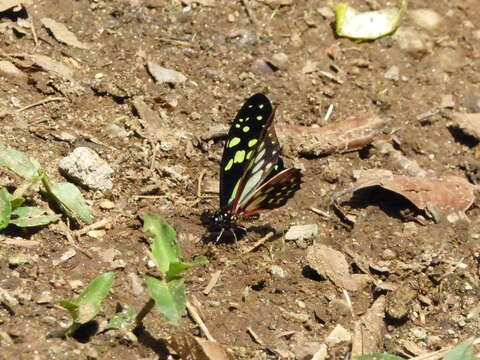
{"x": 427, "y": 19}
{"x": 277, "y": 271}
{"x": 393, "y": 73}
{"x": 302, "y": 232}
{"x": 339, "y": 334}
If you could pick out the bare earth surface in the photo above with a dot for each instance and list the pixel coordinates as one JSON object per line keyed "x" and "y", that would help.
{"x": 423, "y": 272}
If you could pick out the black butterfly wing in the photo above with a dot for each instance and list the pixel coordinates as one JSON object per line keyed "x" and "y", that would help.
{"x": 246, "y": 135}
{"x": 274, "y": 193}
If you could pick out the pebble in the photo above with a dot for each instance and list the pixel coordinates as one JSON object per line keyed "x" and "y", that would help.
{"x": 447, "y": 101}
{"x": 85, "y": 167}
{"x": 10, "y": 69}
{"x": 326, "y": 12}
{"x": 302, "y": 232}
{"x": 106, "y": 204}
{"x": 419, "y": 333}
{"x": 412, "y": 41}
{"x": 427, "y": 19}
{"x": 280, "y": 61}
{"x": 339, "y": 334}
{"x": 388, "y": 254}
{"x": 64, "y": 257}
{"x": 393, "y": 73}
{"x": 135, "y": 283}
{"x": 277, "y": 271}
{"x": 45, "y": 297}
{"x": 75, "y": 284}
{"x": 115, "y": 131}
{"x": 260, "y": 66}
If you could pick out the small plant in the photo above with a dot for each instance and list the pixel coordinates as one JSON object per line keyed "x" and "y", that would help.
{"x": 167, "y": 293}
{"x": 88, "y": 304}
{"x": 66, "y": 195}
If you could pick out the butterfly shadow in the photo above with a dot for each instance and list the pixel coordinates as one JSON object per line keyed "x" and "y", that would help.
{"x": 216, "y": 234}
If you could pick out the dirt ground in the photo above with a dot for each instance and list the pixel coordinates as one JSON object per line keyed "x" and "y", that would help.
{"x": 222, "y": 50}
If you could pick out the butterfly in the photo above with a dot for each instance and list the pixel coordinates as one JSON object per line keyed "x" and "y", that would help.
{"x": 253, "y": 177}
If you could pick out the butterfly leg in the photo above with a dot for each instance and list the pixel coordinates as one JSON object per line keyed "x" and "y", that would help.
{"x": 220, "y": 235}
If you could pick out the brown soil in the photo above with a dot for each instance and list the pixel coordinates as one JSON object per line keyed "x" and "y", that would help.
{"x": 214, "y": 47}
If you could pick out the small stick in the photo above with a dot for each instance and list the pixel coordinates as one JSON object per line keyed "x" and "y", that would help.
{"x": 329, "y": 113}
{"x": 320, "y": 212}
{"x": 258, "y": 243}
{"x": 98, "y": 225}
{"x": 32, "y": 26}
{"x": 250, "y": 14}
{"x": 68, "y": 235}
{"x": 149, "y": 196}
{"x": 212, "y": 282}
{"x": 154, "y": 154}
{"x": 199, "y": 183}
{"x": 41, "y": 102}
{"x": 254, "y": 336}
{"x": 349, "y": 302}
{"x": 198, "y": 320}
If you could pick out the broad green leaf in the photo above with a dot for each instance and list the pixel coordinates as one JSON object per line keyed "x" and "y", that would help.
{"x": 368, "y": 25}
{"x": 462, "y": 351}
{"x": 71, "y": 307}
{"x": 123, "y": 320}
{"x": 28, "y": 216}
{"x": 5, "y": 208}
{"x": 88, "y": 304}
{"x": 177, "y": 268}
{"x": 19, "y": 163}
{"x": 384, "y": 356}
{"x": 164, "y": 248}
{"x": 69, "y": 198}
{"x": 169, "y": 297}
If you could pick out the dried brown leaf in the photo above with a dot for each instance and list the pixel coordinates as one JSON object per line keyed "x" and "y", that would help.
{"x": 62, "y": 34}
{"x": 53, "y": 66}
{"x": 332, "y": 264}
{"x": 468, "y": 123}
{"x": 164, "y": 75}
{"x": 350, "y": 134}
{"x": 368, "y": 331}
{"x": 194, "y": 348}
{"x": 7, "y": 4}
{"x": 449, "y": 193}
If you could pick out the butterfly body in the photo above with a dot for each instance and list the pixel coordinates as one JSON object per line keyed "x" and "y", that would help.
{"x": 253, "y": 177}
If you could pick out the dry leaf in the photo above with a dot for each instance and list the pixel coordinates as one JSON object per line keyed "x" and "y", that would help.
{"x": 468, "y": 123}
{"x": 449, "y": 193}
{"x": 331, "y": 264}
{"x": 7, "y": 4}
{"x": 164, "y": 75}
{"x": 350, "y": 134}
{"x": 194, "y": 348}
{"x": 368, "y": 331}
{"x": 62, "y": 34}
{"x": 54, "y": 66}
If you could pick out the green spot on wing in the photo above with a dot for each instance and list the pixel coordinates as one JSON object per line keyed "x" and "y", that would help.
{"x": 259, "y": 117}
{"x": 245, "y": 129}
{"x": 234, "y": 142}
{"x": 239, "y": 156}
{"x": 252, "y": 143}
{"x": 261, "y": 106}
{"x": 229, "y": 165}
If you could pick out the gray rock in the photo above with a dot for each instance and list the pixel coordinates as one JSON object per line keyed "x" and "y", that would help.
{"x": 393, "y": 73}
{"x": 86, "y": 168}
{"x": 302, "y": 232}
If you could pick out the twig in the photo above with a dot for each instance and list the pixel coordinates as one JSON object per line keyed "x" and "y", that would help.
{"x": 32, "y": 26}
{"x": 149, "y": 196}
{"x": 98, "y": 225}
{"x": 198, "y": 320}
{"x": 199, "y": 183}
{"x": 212, "y": 282}
{"x": 329, "y": 113}
{"x": 349, "y": 302}
{"x": 254, "y": 336}
{"x": 71, "y": 241}
{"x": 154, "y": 155}
{"x": 41, "y": 102}
{"x": 320, "y": 212}
{"x": 250, "y": 14}
{"x": 258, "y": 243}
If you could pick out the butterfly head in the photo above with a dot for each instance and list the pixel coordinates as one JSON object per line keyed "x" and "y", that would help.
{"x": 224, "y": 218}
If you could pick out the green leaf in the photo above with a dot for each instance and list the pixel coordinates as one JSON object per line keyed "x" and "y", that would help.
{"x": 169, "y": 297}
{"x": 164, "y": 248}
{"x": 368, "y": 25}
{"x": 384, "y": 356}
{"x": 462, "y": 351}
{"x": 177, "y": 268}
{"x": 5, "y": 208}
{"x": 71, "y": 307}
{"x": 124, "y": 320}
{"x": 88, "y": 304}
{"x": 28, "y": 216}
{"x": 69, "y": 198}
{"x": 19, "y": 163}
